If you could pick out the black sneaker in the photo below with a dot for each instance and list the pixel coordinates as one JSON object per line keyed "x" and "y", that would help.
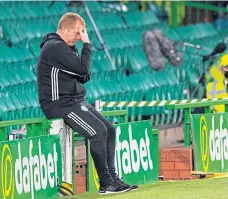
{"x": 113, "y": 187}
{"x": 120, "y": 181}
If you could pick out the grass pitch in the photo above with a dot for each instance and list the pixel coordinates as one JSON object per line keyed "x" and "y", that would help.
{"x": 195, "y": 189}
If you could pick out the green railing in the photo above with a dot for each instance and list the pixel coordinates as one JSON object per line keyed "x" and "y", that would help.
{"x": 187, "y": 105}
{"x": 41, "y": 126}
{"x": 187, "y": 112}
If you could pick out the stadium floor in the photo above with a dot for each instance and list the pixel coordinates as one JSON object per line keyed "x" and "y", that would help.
{"x": 195, "y": 189}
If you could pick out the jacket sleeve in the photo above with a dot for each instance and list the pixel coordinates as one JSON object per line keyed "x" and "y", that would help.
{"x": 66, "y": 59}
{"x": 84, "y": 78}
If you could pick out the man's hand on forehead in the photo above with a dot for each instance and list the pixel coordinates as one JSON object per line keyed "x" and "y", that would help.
{"x": 81, "y": 28}
{"x": 83, "y": 34}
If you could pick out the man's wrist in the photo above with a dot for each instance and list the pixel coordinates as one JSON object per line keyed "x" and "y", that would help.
{"x": 87, "y": 45}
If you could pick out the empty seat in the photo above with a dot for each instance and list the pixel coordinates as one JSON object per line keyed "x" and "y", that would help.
{"x": 103, "y": 23}
{"x": 137, "y": 60}
{"x": 141, "y": 19}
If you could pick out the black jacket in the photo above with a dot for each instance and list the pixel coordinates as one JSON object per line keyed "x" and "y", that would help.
{"x": 61, "y": 72}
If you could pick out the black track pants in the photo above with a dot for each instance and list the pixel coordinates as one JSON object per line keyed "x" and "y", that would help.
{"x": 88, "y": 122}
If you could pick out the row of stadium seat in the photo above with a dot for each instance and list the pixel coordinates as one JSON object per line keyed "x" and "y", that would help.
{"x": 14, "y": 54}
{"x": 24, "y": 30}
{"x": 30, "y": 10}
{"x": 24, "y": 105}
{"x": 14, "y": 106}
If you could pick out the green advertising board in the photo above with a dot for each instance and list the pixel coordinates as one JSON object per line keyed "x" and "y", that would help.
{"x": 30, "y": 168}
{"x": 210, "y": 136}
{"x": 137, "y": 155}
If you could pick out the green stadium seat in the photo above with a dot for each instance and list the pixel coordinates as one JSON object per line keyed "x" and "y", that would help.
{"x": 6, "y": 14}
{"x": 3, "y": 108}
{"x": 11, "y": 107}
{"x": 103, "y": 69}
{"x": 137, "y": 60}
{"x": 17, "y": 80}
{"x": 36, "y": 10}
{"x": 18, "y": 55}
{"x": 103, "y": 23}
{"x": 22, "y": 12}
{"x": 171, "y": 34}
{"x": 141, "y": 19}
{"x": 132, "y": 38}
{"x": 57, "y": 9}
{"x": 13, "y": 54}
{"x": 94, "y": 7}
{"x": 132, "y": 6}
{"x": 5, "y": 79}
{"x": 26, "y": 52}
{"x": 10, "y": 35}
{"x": 34, "y": 46}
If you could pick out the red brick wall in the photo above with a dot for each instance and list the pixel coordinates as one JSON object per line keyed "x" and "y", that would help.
{"x": 176, "y": 163}
{"x": 80, "y": 168}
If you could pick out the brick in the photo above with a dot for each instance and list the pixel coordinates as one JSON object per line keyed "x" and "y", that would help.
{"x": 79, "y": 162}
{"x": 179, "y": 155}
{"x": 183, "y": 166}
{"x": 80, "y": 169}
{"x": 80, "y": 152}
{"x": 171, "y": 174}
{"x": 162, "y": 155}
{"x": 80, "y": 180}
{"x": 160, "y": 173}
{"x": 185, "y": 174}
{"x": 166, "y": 166}
{"x": 80, "y": 189}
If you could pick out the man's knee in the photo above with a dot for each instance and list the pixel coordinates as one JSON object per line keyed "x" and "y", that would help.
{"x": 111, "y": 131}
{"x": 101, "y": 133}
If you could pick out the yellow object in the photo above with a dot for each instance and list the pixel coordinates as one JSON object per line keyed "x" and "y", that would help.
{"x": 216, "y": 87}
{"x": 180, "y": 12}
{"x": 67, "y": 189}
{"x": 210, "y": 175}
{"x": 224, "y": 60}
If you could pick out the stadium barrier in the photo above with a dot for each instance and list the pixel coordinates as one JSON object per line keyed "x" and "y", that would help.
{"x": 30, "y": 168}
{"x": 187, "y": 105}
{"x": 209, "y": 130}
{"x": 210, "y": 139}
{"x": 137, "y": 152}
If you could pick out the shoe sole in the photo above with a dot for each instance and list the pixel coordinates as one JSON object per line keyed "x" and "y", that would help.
{"x": 134, "y": 189}
{"x": 110, "y": 192}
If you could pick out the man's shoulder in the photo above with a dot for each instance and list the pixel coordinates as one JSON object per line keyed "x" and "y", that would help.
{"x": 52, "y": 46}
{"x": 55, "y": 43}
